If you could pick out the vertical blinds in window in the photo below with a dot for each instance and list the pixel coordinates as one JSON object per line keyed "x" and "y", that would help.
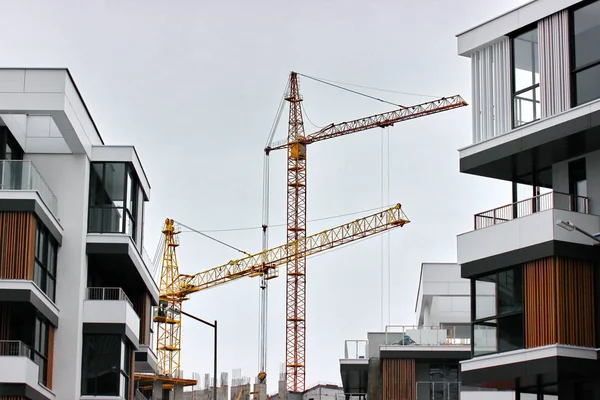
{"x": 490, "y": 76}
{"x": 553, "y": 38}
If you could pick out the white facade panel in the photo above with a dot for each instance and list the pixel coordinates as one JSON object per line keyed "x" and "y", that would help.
{"x": 490, "y": 84}
{"x": 12, "y": 80}
{"x": 22, "y": 370}
{"x": 533, "y": 229}
{"x": 45, "y": 81}
{"x": 112, "y": 312}
{"x": 76, "y": 102}
{"x": 487, "y": 395}
{"x": 68, "y": 176}
{"x": 555, "y": 71}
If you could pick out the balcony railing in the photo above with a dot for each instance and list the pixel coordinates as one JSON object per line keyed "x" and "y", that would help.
{"x": 23, "y": 175}
{"x": 104, "y": 293}
{"x": 544, "y": 202}
{"x": 14, "y": 348}
{"x": 355, "y": 349}
{"x": 407, "y": 335}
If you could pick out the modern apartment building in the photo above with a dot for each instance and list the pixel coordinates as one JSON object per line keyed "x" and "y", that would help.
{"x": 420, "y": 361}
{"x": 75, "y": 289}
{"x": 536, "y": 124}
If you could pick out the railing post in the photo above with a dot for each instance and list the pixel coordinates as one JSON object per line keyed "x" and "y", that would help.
{"x": 494, "y": 217}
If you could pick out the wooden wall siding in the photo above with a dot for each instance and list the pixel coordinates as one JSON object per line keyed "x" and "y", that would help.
{"x": 4, "y": 322}
{"x": 559, "y": 302}
{"x": 399, "y": 379}
{"x": 13, "y": 398}
{"x": 17, "y": 245}
{"x": 50, "y": 356}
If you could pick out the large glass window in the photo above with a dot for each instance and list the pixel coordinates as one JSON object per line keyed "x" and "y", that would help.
{"x": 44, "y": 270}
{"x": 586, "y": 54}
{"x": 106, "y": 366}
{"x": 498, "y": 320}
{"x": 526, "y": 78}
{"x": 113, "y": 199}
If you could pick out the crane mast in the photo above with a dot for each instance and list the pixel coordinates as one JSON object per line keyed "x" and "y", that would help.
{"x": 296, "y": 144}
{"x": 295, "y": 331}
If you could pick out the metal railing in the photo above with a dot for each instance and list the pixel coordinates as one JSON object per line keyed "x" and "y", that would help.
{"x": 14, "y": 348}
{"x": 23, "y": 175}
{"x": 544, "y": 202}
{"x": 107, "y": 293}
{"x": 410, "y": 335}
{"x": 355, "y": 349}
{"x": 430, "y": 390}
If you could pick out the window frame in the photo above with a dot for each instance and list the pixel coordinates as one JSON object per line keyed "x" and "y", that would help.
{"x": 40, "y": 347}
{"x": 487, "y": 320}
{"x": 124, "y": 374}
{"x": 573, "y": 70}
{"x": 44, "y": 238}
{"x": 513, "y": 92}
{"x": 130, "y": 205}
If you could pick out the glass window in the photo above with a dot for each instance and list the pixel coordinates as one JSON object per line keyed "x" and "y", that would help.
{"x": 586, "y": 55}
{"x": 44, "y": 269}
{"x": 526, "y": 78}
{"x": 100, "y": 365}
{"x": 113, "y": 204}
{"x": 498, "y": 324}
{"x": 40, "y": 349}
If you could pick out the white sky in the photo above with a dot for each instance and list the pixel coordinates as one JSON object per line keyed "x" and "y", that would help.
{"x": 195, "y": 86}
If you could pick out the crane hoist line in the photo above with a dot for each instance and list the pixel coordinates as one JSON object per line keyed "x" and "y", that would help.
{"x": 175, "y": 287}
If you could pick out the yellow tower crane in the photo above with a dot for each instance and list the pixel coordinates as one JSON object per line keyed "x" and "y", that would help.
{"x": 175, "y": 287}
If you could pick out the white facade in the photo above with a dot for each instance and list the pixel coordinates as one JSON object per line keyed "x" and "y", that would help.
{"x": 44, "y": 115}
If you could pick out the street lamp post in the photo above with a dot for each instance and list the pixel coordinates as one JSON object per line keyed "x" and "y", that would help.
{"x": 569, "y": 226}
{"x": 212, "y": 325}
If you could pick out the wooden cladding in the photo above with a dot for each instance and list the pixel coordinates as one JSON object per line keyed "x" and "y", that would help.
{"x": 399, "y": 379}
{"x": 17, "y": 245}
{"x": 559, "y": 302}
{"x": 13, "y": 398}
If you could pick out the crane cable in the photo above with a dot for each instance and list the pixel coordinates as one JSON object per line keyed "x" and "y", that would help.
{"x": 352, "y": 91}
{"x": 212, "y": 238}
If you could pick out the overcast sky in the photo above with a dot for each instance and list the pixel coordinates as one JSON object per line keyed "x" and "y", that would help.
{"x": 195, "y": 85}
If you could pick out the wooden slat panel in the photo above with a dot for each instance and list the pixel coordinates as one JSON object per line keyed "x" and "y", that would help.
{"x": 17, "y": 241}
{"x": 50, "y": 356}
{"x": 575, "y": 300}
{"x": 540, "y": 302}
{"x": 399, "y": 379}
{"x": 559, "y": 302}
{"x": 13, "y": 398}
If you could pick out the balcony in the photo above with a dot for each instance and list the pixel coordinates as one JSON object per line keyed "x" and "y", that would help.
{"x": 513, "y": 233}
{"x": 145, "y": 360}
{"x": 20, "y": 178}
{"x": 523, "y": 208}
{"x": 110, "y": 310}
{"x": 354, "y": 367}
{"x": 17, "y": 369}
